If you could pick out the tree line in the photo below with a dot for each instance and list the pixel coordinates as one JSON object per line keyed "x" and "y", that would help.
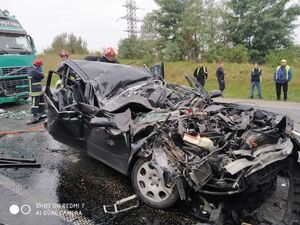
{"x": 214, "y": 30}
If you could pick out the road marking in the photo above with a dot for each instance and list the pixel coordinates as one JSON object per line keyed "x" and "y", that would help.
{"x": 33, "y": 198}
{"x": 280, "y": 107}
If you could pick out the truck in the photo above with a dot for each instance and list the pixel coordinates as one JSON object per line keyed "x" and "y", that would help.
{"x": 17, "y": 51}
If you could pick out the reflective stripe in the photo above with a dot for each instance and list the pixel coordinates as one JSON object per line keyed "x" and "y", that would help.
{"x": 33, "y": 103}
{"x": 204, "y": 70}
{"x": 37, "y": 83}
{"x": 287, "y": 69}
{"x": 34, "y": 94}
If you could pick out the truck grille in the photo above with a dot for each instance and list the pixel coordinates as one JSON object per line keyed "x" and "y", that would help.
{"x": 13, "y": 86}
{"x": 12, "y": 71}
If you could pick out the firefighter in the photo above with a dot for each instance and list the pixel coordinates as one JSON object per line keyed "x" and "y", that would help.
{"x": 35, "y": 76}
{"x": 256, "y": 73}
{"x": 109, "y": 56}
{"x": 282, "y": 76}
{"x": 201, "y": 73}
{"x": 221, "y": 76}
{"x": 64, "y": 55}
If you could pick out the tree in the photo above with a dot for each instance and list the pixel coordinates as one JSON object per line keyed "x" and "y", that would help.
{"x": 69, "y": 42}
{"x": 261, "y": 25}
{"x": 201, "y": 25}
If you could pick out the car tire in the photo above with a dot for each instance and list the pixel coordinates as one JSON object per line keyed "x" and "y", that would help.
{"x": 150, "y": 188}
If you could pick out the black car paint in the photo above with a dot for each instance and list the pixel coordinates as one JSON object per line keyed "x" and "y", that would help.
{"x": 100, "y": 142}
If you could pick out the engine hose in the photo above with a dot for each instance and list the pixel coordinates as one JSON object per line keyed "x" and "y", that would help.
{"x": 221, "y": 193}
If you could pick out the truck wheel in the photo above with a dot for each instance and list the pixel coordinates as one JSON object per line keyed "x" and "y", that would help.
{"x": 150, "y": 188}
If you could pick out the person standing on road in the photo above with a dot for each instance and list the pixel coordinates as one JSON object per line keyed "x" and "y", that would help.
{"x": 201, "y": 73}
{"x": 109, "y": 56}
{"x": 256, "y": 80}
{"x": 282, "y": 76}
{"x": 35, "y": 76}
{"x": 221, "y": 76}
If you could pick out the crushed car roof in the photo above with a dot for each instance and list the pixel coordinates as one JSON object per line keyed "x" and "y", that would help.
{"x": 109, "y": 76}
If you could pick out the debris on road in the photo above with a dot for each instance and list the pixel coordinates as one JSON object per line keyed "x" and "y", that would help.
{"x": 122, "y": 205}
{"x": 57, "y": 150}
{"x": 22, "y": 115}
{"x": 38, "y": 128}
{"x": 18, "y": 162}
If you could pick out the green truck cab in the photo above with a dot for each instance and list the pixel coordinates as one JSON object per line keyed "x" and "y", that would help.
{"x": 17, "y": 51}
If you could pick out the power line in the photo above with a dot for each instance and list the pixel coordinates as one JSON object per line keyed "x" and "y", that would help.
{"x": 131, "y": 18}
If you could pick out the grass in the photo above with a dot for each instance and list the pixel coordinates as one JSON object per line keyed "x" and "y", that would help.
{"x": 237, "y": 76}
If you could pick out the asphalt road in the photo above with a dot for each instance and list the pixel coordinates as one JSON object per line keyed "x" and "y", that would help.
{"x": 71, "y": 188}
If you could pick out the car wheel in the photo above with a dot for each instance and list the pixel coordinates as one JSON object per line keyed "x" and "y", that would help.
{"x": 150, "y": 188}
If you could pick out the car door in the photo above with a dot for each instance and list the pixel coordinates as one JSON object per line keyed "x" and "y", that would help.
{"x": 110, "y": 146}
{"x": 64, "y": 123}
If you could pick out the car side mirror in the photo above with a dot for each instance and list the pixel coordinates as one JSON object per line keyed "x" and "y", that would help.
{"x": 102, "y": 122}
{"x": 215, "y": 94}
{"x": 158, "y": 70}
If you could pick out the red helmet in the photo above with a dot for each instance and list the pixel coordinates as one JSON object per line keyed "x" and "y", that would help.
{"x": 110, "y": 54}
{"x": 37, "y": 62}
{"x": 64, "y": 53}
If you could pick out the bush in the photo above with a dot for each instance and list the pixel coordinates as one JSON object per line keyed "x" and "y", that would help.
{"x": 290, "y": 54}
{"x": 148, "y": 60}
{"x": 238, "y": 54}
{"x": 220, "y": 52}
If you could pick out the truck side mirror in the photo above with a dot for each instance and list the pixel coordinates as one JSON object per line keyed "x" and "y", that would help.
{"x": 31, "y": 43}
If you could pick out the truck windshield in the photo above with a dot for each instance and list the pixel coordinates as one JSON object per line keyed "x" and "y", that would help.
{"x": 14, "y": 44}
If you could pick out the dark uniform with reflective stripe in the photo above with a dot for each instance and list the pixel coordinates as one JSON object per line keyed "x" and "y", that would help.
{"x": 201, "y": 74}
{"x": 35, "y": 77}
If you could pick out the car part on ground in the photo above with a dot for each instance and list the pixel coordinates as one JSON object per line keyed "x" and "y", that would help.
{"x": 171, "y": 139}
{"x": 18, "y": 162}
{"x": 122, "y": 205}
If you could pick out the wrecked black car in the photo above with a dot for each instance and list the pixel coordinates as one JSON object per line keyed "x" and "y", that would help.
{"x": 170, "y": 139}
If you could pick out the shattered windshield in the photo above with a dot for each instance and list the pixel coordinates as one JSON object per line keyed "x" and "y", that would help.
{"x": 14, "y": 44}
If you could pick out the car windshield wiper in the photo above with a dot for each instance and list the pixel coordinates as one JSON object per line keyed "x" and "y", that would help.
{"x": 2, "y": 51}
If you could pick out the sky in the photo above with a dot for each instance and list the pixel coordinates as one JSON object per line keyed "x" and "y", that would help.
{"x": 96, "y": 21}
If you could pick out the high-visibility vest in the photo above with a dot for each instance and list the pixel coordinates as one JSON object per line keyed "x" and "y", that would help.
{"x": 287, "y": 69}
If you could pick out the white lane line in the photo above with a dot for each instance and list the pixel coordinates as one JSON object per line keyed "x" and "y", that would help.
{"x": 34, "y": 198}
{"x": 280, "y": 107}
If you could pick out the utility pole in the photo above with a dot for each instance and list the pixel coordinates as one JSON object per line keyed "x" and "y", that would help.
{"x": 131, "y": 18}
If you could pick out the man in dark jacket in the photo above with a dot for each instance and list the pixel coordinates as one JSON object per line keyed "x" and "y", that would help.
{"x": 35, "y": 76}
{"x": 256, "y": 80}
{"x": 282, "y": 76}
{"x": 221, "y": 76}
{"x": 201, "y": 73}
